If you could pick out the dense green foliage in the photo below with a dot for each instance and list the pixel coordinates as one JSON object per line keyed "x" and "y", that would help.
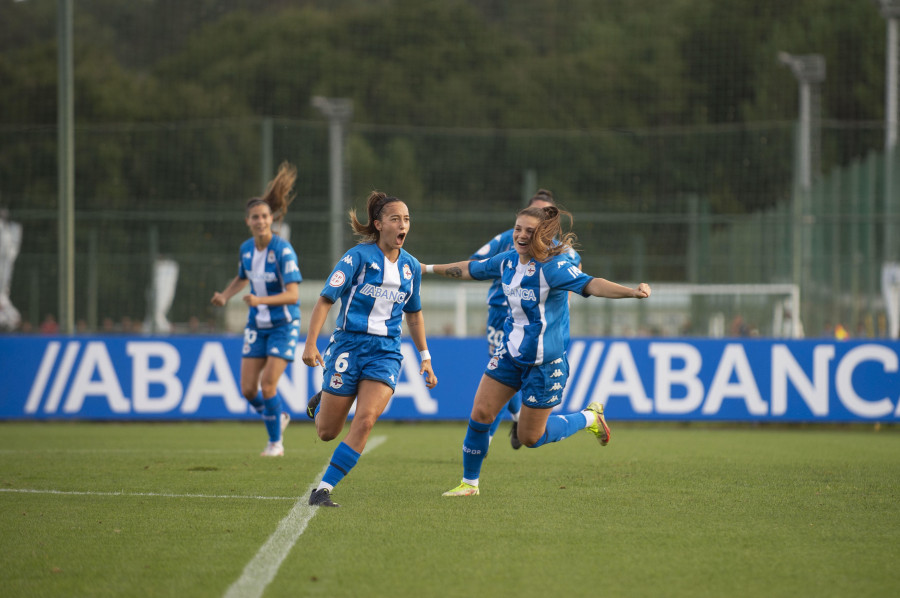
{"x": 625, "y": 108}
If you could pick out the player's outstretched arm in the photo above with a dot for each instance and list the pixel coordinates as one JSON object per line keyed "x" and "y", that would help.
{"x": 458, "y": 270}
{"x": 600, "y": 287}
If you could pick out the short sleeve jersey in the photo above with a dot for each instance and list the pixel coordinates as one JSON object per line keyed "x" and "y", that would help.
{"x": 374, "y": 291}
{"x": 501, "y": 244}
{"x": 537, "y": 328}
{"x": 269, "y": 271}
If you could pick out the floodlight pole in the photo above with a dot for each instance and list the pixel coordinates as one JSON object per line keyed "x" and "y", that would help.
{"x": 890, "y": 10}
{"x": 339, "y": 111}
{"x": 66, "y": 168}
{"x": 809, "y": 70}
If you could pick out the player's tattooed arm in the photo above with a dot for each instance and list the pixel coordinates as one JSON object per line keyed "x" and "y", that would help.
{"x": 455, "y": 270}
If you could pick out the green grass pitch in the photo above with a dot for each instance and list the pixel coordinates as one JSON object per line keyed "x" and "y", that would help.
{"x": 183, "y": 509}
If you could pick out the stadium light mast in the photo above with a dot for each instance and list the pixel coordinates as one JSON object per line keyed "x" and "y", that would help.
{"x": 339, "y": 111}
{"x": 66, "y": 168}
{"x": 890, "y": 10}
{"x": 809, "y": 70}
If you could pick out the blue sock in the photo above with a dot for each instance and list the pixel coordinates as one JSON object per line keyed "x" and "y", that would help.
{"x": 560, "y": 427}
{"x": 257, "y": 402}
{"x": 495, "y": 425}
{"x": 475, "y": 447}
{"x": 342, "y": 461}
{"x": 515, "y": 403}
{"x": 272, "y": 417}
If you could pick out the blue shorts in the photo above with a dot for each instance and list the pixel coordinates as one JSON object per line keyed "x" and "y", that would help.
{"x": 495, "y": 334}
{"x": 352, "y": 357}
{"x": 541, "y": 386}
{"x": 280, "y": 341}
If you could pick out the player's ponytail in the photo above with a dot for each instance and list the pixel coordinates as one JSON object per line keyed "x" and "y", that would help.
{"x": 374, "y": 206}
{"x": 549, "y": 239}
{"x": 278, "y": 195}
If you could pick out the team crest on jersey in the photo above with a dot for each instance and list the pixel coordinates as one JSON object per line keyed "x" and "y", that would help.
{"x": 271, "y": 257}
{"x": 493, "y": 363}
{"x": 337, "y": 381}
{"x": 337, "y": 279}
{"x": 530, "y": 269}
{"x": 407, "y": 272}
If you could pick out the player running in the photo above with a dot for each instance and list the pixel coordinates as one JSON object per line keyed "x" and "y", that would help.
{"x": 536, "y": 279}
{"x": 498, "y": 309}
{"x": 377, "y": 282}
{"x": 269, "y": 263}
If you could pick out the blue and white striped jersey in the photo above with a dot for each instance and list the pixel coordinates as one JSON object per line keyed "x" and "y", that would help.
{"x": 269, "y": 271}
{"x": 373, "y": 290}
{"x": 501, "y": 244}
{"x": 537, "y": 329}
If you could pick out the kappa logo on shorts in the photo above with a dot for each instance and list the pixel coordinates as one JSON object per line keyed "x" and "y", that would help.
{"x": 556, "y": 386}
{"x": 554, "y": 399}
{"x": 556, "y": 374}
{"x": 531, "y": 399}
{"x": 337, "y": 279}
{"x": 337, "y": 381}
{"x": 493, "y": 363}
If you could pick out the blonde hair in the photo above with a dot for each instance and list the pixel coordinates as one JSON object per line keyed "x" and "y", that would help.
{"x": 374, "y": 206}
{"x": 549, "y": 239}
{"x": 278, "y": 194}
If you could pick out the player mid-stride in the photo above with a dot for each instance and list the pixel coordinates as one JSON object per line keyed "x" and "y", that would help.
{"x": 377, "y": 282}
{"x": 269, "y": 264}
{"x": 536, "y": 279}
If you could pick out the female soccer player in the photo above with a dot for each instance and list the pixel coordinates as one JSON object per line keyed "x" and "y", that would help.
{"x": 269, "y": 263}
{"x": 498, "y": 309}
{"x": 536, "y": 278}
{"x": 377, "y": 282}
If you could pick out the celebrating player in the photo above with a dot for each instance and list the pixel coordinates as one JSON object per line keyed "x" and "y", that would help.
{"x": 269, "y": 263}
{"x": 536, "y": 279}
{"x": 498, "y": 309}
{"x": 377, "y": 282}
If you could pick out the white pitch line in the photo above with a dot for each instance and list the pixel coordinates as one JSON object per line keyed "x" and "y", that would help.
{"x": 263, "y": 567}
{"x": 150, "y": 494}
